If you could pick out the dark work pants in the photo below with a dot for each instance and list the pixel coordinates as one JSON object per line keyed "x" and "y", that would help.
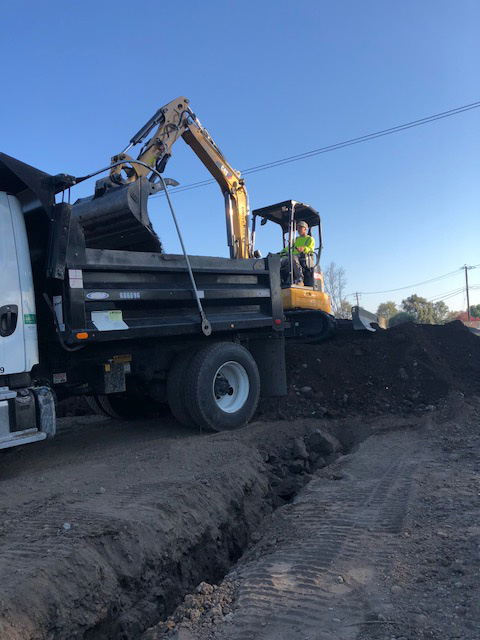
{"x": 297, "y": 268}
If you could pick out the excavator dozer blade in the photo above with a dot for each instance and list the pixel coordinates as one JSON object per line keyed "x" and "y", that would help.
{"x": 363, "y": 320}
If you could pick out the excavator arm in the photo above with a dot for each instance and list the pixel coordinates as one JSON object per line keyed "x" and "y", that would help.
{"x": 173, "y": 121}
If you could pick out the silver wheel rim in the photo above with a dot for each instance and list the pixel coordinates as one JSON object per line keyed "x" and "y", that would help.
{"x": 231, "y": 387}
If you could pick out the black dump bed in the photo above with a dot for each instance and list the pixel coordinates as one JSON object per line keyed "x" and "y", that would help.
{"x": 104, "y": 292}
{"x": 123, "y": 294}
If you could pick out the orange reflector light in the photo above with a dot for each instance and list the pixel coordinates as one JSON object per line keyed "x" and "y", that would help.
{"x": 82, "y": 336}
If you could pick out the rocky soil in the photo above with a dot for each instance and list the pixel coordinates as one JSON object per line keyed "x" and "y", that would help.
{"x": 383, "y": 544}
{"x": 404, "y": 370}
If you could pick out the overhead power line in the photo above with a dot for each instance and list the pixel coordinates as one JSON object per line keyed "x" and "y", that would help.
{"x": 446, "y": 294}
{"x": 336, "y": 146}
{"x": 417, "y": 284}
{"x": 410, "y": 286}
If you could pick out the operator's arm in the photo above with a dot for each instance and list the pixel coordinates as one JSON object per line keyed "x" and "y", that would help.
{"x": 309, "y": 245}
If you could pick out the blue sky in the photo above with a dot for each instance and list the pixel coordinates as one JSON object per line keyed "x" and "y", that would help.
{"x": 269, "y": 80}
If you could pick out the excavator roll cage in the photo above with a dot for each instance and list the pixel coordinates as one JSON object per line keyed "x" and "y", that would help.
{"x": 286, "y": 214}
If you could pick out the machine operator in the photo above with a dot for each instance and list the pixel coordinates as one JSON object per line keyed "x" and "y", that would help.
{"x": 303, "y": 247}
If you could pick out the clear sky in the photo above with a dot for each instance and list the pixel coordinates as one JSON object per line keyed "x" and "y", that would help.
{"x": 271, "y": 79}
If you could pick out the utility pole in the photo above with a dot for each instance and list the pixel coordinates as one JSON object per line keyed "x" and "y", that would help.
{"x": 466, "y": 287}
{"x": 358, "y": 303}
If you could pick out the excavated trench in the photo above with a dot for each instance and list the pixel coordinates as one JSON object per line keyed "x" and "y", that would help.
{"x": 152, "y": 595}
{"x": 127, "y": 531}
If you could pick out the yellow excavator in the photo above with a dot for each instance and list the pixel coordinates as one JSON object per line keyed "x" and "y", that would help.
{"x": 173, "y": 121}
{"x": 306, "y": 307}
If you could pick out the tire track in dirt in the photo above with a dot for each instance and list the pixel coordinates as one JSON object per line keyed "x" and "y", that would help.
{"x": 322, "y": 579}
{"x": 102, "y": 535}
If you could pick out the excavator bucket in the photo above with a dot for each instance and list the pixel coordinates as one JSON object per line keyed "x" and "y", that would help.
{"x": 116, "y": 217}
{"x": 363, "y": 320}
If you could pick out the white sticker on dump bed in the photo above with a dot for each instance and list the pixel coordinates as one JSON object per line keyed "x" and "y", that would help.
{"x": 108, "y": 320}
{"x": 75, "y": 277}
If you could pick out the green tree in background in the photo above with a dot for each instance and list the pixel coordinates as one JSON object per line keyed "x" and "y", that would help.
{"x": 400, "y": 318}
{"x": 387, "y": 309}
{"x": 425, "y": 312}
{"x": 475, "y": 311}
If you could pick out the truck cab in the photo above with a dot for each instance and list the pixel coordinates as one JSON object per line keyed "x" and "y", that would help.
{"x": 23, "y": 407}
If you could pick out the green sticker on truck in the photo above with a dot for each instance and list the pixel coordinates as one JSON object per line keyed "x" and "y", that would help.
{"x": 29, "y": 318}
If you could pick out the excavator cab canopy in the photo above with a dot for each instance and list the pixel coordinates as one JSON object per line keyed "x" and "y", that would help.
{"x": 287, "y": 211}
{"x": 286, "y": 214}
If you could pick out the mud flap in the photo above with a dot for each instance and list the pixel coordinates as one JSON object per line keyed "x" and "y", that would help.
{"x": 363, "y": 320}
{"x": 269, "y": 354}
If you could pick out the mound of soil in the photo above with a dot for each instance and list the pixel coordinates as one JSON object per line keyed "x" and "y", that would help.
{"x": 408, "y": 368}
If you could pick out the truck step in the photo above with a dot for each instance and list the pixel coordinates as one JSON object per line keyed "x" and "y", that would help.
{"x": 21, "y": 437}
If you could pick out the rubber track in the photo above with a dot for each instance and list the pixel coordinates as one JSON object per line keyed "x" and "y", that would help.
{"x": 334, "y": 528}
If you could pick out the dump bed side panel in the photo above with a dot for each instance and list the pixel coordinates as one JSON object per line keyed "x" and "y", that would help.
{"x": 130, "y": 295}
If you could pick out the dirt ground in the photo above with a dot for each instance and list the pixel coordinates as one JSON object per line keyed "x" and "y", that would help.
{"x": 383, "y": 544}
{"x": 330, "y": 517}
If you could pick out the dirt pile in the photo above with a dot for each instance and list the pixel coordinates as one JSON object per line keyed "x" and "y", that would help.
{"x": 406, "y": 369}
{"x": 210, "y": 605}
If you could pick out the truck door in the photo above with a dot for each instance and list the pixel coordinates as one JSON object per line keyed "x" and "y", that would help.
{"x": 18, "y": 328}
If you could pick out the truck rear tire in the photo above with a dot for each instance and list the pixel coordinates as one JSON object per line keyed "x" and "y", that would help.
{"x": 222, "y": 386}
{"x": 176, "y": 382}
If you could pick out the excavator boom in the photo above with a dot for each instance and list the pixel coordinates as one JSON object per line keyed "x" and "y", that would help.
{"x": 175, "y": 120}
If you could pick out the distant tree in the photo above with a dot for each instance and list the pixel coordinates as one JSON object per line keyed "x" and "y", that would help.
{"x": 425, "y": 312}
{"x": 419, "y": 308}
{"x": 451, "y": 316}
{"x": 335, "y": 282}
{"x": 440, "y": 312}
{"x": 387, "y": 309}
{"x": 463, "y": 316}
{"x": 475, "y": 311}
{"x": 400, "y": 318}
{"x": 345, "y": 311}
